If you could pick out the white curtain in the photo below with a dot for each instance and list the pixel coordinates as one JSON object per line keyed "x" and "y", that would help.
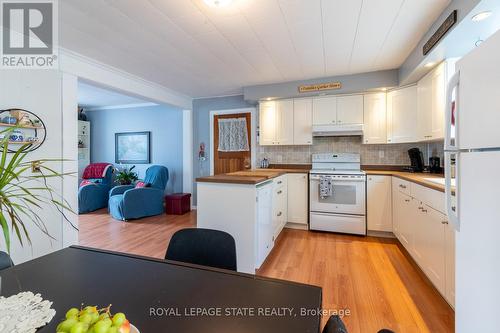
{"x": 233, "y": 135}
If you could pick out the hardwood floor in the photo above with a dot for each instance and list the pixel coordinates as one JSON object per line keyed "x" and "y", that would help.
{"x": 371, "y": 277}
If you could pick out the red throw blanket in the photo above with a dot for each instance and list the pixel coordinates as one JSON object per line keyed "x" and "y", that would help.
{"x": 96, "y": 170}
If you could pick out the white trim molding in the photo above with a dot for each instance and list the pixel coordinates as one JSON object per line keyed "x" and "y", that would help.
{"x": 122, "y": 106}
{"x": 253, "y": 132}
{"x": 187, "y": 151}
{"x": 90, "y": 70}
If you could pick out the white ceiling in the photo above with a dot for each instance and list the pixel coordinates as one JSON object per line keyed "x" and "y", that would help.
{"x": 204, "y": 51}
{"x": 91, "y": 98}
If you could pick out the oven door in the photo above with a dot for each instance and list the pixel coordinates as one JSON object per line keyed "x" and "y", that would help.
{"x": 349, "y": 193}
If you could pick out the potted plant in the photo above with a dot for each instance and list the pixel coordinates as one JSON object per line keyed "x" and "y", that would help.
{"x": 22, "y": 192}
{"x": 126, "y": 176}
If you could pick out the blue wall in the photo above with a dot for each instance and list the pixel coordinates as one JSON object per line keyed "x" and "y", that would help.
{"x": 201, "y": 128}
{"x": 165, "y": 125}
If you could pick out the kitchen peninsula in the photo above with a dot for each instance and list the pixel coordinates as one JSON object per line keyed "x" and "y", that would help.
{"x": 253, "y": 206}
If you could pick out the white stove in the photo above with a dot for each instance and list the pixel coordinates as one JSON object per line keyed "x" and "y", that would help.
{"x": 337, "y": 193}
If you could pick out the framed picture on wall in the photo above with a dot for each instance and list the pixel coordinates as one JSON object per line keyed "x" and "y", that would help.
{"x": 133, "y": 148}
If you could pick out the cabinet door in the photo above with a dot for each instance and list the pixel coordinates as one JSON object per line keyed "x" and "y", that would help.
{"x": 438, "y": 80}
{"x": 324, "y": 110}
{"x": 284, "y": 130}
{"x": 375, "y": 118}
{"x": 450, "y": 263}
{"x": 402, "y": 115}
{"x": 405, "y": 218}
{"x": 379, "y": 206}
{"x": 420, "y": 232}
{"x": 302, "y": 121}
{"x": 297, "y": 198}
{"x": 434, "y": 254}
{"x": 264, "y": 223}
{"x": 424, "y": 106}
{"x": 267, "y": 123}
{"x": 350, "y": 110}
{"x": 395, "y": 208}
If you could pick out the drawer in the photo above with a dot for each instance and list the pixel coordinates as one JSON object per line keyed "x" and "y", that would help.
{"x": 402, "y": 185}
{"x": 280, "y": 181}
{"x": 349, "y": 224}
{"x": 430, "y": 197}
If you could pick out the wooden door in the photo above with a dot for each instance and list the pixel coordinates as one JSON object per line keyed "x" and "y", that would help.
{"x": 225, "y": 162}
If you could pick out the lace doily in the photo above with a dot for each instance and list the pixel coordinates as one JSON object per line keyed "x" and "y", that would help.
{"x": 24, "y": 313}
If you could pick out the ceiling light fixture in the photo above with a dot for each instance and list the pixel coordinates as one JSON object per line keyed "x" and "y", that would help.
{"x": 218, "y": 3}
{"x": 481, "y": 16}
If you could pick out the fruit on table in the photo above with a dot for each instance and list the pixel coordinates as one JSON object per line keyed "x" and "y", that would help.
{"x": 90, "y": 319}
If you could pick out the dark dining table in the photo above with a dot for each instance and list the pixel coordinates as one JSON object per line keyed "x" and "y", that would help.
{"x": 165, "y": 296}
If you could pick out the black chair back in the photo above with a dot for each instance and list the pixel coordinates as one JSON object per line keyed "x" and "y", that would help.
{"x": 5, "y": 261}
{"x": 335, "y": 325}
{"x": 205, "y": 247}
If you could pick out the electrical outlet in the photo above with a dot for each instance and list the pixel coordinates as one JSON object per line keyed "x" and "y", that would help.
{"x": 381, "y": 154}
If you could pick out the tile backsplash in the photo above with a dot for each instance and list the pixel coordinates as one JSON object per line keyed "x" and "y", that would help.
{"x": 386, "y": 154}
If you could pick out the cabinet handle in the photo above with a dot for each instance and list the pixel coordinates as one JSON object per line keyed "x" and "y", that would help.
{"x": 420, "y": 207}
{"x": 279, "y": 192}
{"x": 388, "y": 140}
{"x": 444, "y": 222}
{"x": 279, "y": 182}
{"x": 407, "y": 200}
{"x": 280, "y": 213}
{"x": 339, "y": 121}
{"x": 453, "y": 208}
{"x": 424, "y": 210}
{"x": 402, "y": 186}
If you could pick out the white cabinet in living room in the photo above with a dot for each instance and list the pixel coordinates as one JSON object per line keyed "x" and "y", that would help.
{"x": 350, "y": 110}
{"x": 302, "y": 121}
{"x": 375, "y": 118}
{"x": 324, "y": 110}
{"x": 402, "y": 115}
{"x": 297, "y": 198}
{"x": 379, "y": 207}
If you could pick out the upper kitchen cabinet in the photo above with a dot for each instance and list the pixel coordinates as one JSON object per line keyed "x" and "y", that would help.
{"x": 375, "y": 118}
{"x": 324, "y": 110}
{"x": 350, "y": 110}
{"x": 302, "y": 121}
{"x": 267, "y": 123}
{"x": 402, "y": 115}
{"x": 284, "y": 124}
{"x": 431, "y": 102}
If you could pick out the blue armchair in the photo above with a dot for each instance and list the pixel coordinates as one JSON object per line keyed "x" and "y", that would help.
{"x": 127, "y": 202}
{"x": 95, "y": 195}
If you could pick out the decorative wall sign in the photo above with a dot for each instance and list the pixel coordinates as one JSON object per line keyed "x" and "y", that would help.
{"x": 133, "y": 148}
{"x": 441, "y": 31}
{"x": 320, "y": 86}
{"x": 24, "y": 128}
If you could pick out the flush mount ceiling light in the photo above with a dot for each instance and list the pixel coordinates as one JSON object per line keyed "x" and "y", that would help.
{"x": 218, "y": 3}
{"x": 481, "y": 16}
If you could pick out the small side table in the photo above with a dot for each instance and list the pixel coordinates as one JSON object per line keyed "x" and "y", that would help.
{"x": 178, "y": 203}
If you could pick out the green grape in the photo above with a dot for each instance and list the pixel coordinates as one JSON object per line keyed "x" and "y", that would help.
{"x": 102, "y": 326}
{"x": 103, "y": 316}
{"x": 66, "y": 325}
{"x": 73, "y": 312}
{"x": 118, "y": 319}
{"x": 95, "y": 317}
{"x": 79, "y": 328}
{"x": 85, "y": 318}
{"x": 108, "y": 321}
{"x": 112, "y": 329}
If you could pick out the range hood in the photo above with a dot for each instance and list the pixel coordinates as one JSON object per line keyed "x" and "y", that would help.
{"x": 338, "y": 130}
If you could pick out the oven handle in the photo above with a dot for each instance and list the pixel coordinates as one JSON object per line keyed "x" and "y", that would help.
{"x": 316, "y": 178}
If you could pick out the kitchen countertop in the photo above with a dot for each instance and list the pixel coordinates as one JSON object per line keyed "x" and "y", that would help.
{"x": 251, "y": 177}
{"x": 415, "y": 177}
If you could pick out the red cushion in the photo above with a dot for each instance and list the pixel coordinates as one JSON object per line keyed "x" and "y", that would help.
{"x": 140, "y": 184}
{"x": 85, "y": 182}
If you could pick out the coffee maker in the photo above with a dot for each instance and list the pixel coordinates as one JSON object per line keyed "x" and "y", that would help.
{"x": 435, "y": 165}
{"x": 416, "y": 159}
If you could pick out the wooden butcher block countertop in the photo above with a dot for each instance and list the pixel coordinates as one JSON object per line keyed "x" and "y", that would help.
{"x": 415, "y": 177}
{"x": 252, "y": 176}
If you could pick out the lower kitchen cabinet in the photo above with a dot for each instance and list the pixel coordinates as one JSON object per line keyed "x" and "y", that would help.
{"x": 426, "y": 234}
{"x": 265, "y": 231}
{"x": 297, "y": 198}
{"x": 280, "y": 204}
{"x": 379, "y": 206}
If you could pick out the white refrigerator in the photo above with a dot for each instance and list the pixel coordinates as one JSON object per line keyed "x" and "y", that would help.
{"x": 472, "y": 158}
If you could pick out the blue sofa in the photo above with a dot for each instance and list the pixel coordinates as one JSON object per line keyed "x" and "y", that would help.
{"x": 95, "y": 196}
{"x": 127, "y": 202}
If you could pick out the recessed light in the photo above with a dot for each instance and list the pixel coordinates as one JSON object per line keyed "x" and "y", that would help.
{"x": 218, "y": 3}
{"x": 481, "y": 16}
{"x": 429, "y": 64}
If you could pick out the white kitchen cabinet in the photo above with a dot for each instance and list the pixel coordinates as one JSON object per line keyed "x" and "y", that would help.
{"x": 297, "y": 198}
{"x": 324, "y": 110}
{"x": 419, "y": 232}
{"x": 434, "y": 254}
{"x": 379, "y": 207}
{"x": 267, "y": 123}
{"x": 403, "y": 218}
{"x": 449, "y": 236}
{"x": 350, "y": 110}
{"x": 284, "y": 116}
{"x": 402, "y": 115}
{"x": 302, "y": 121}
{"x": 375, "y": 118}
{"x": 431, "y": 90}
{"x": 280, "y": 204}
{"x": 265, "y": 231}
